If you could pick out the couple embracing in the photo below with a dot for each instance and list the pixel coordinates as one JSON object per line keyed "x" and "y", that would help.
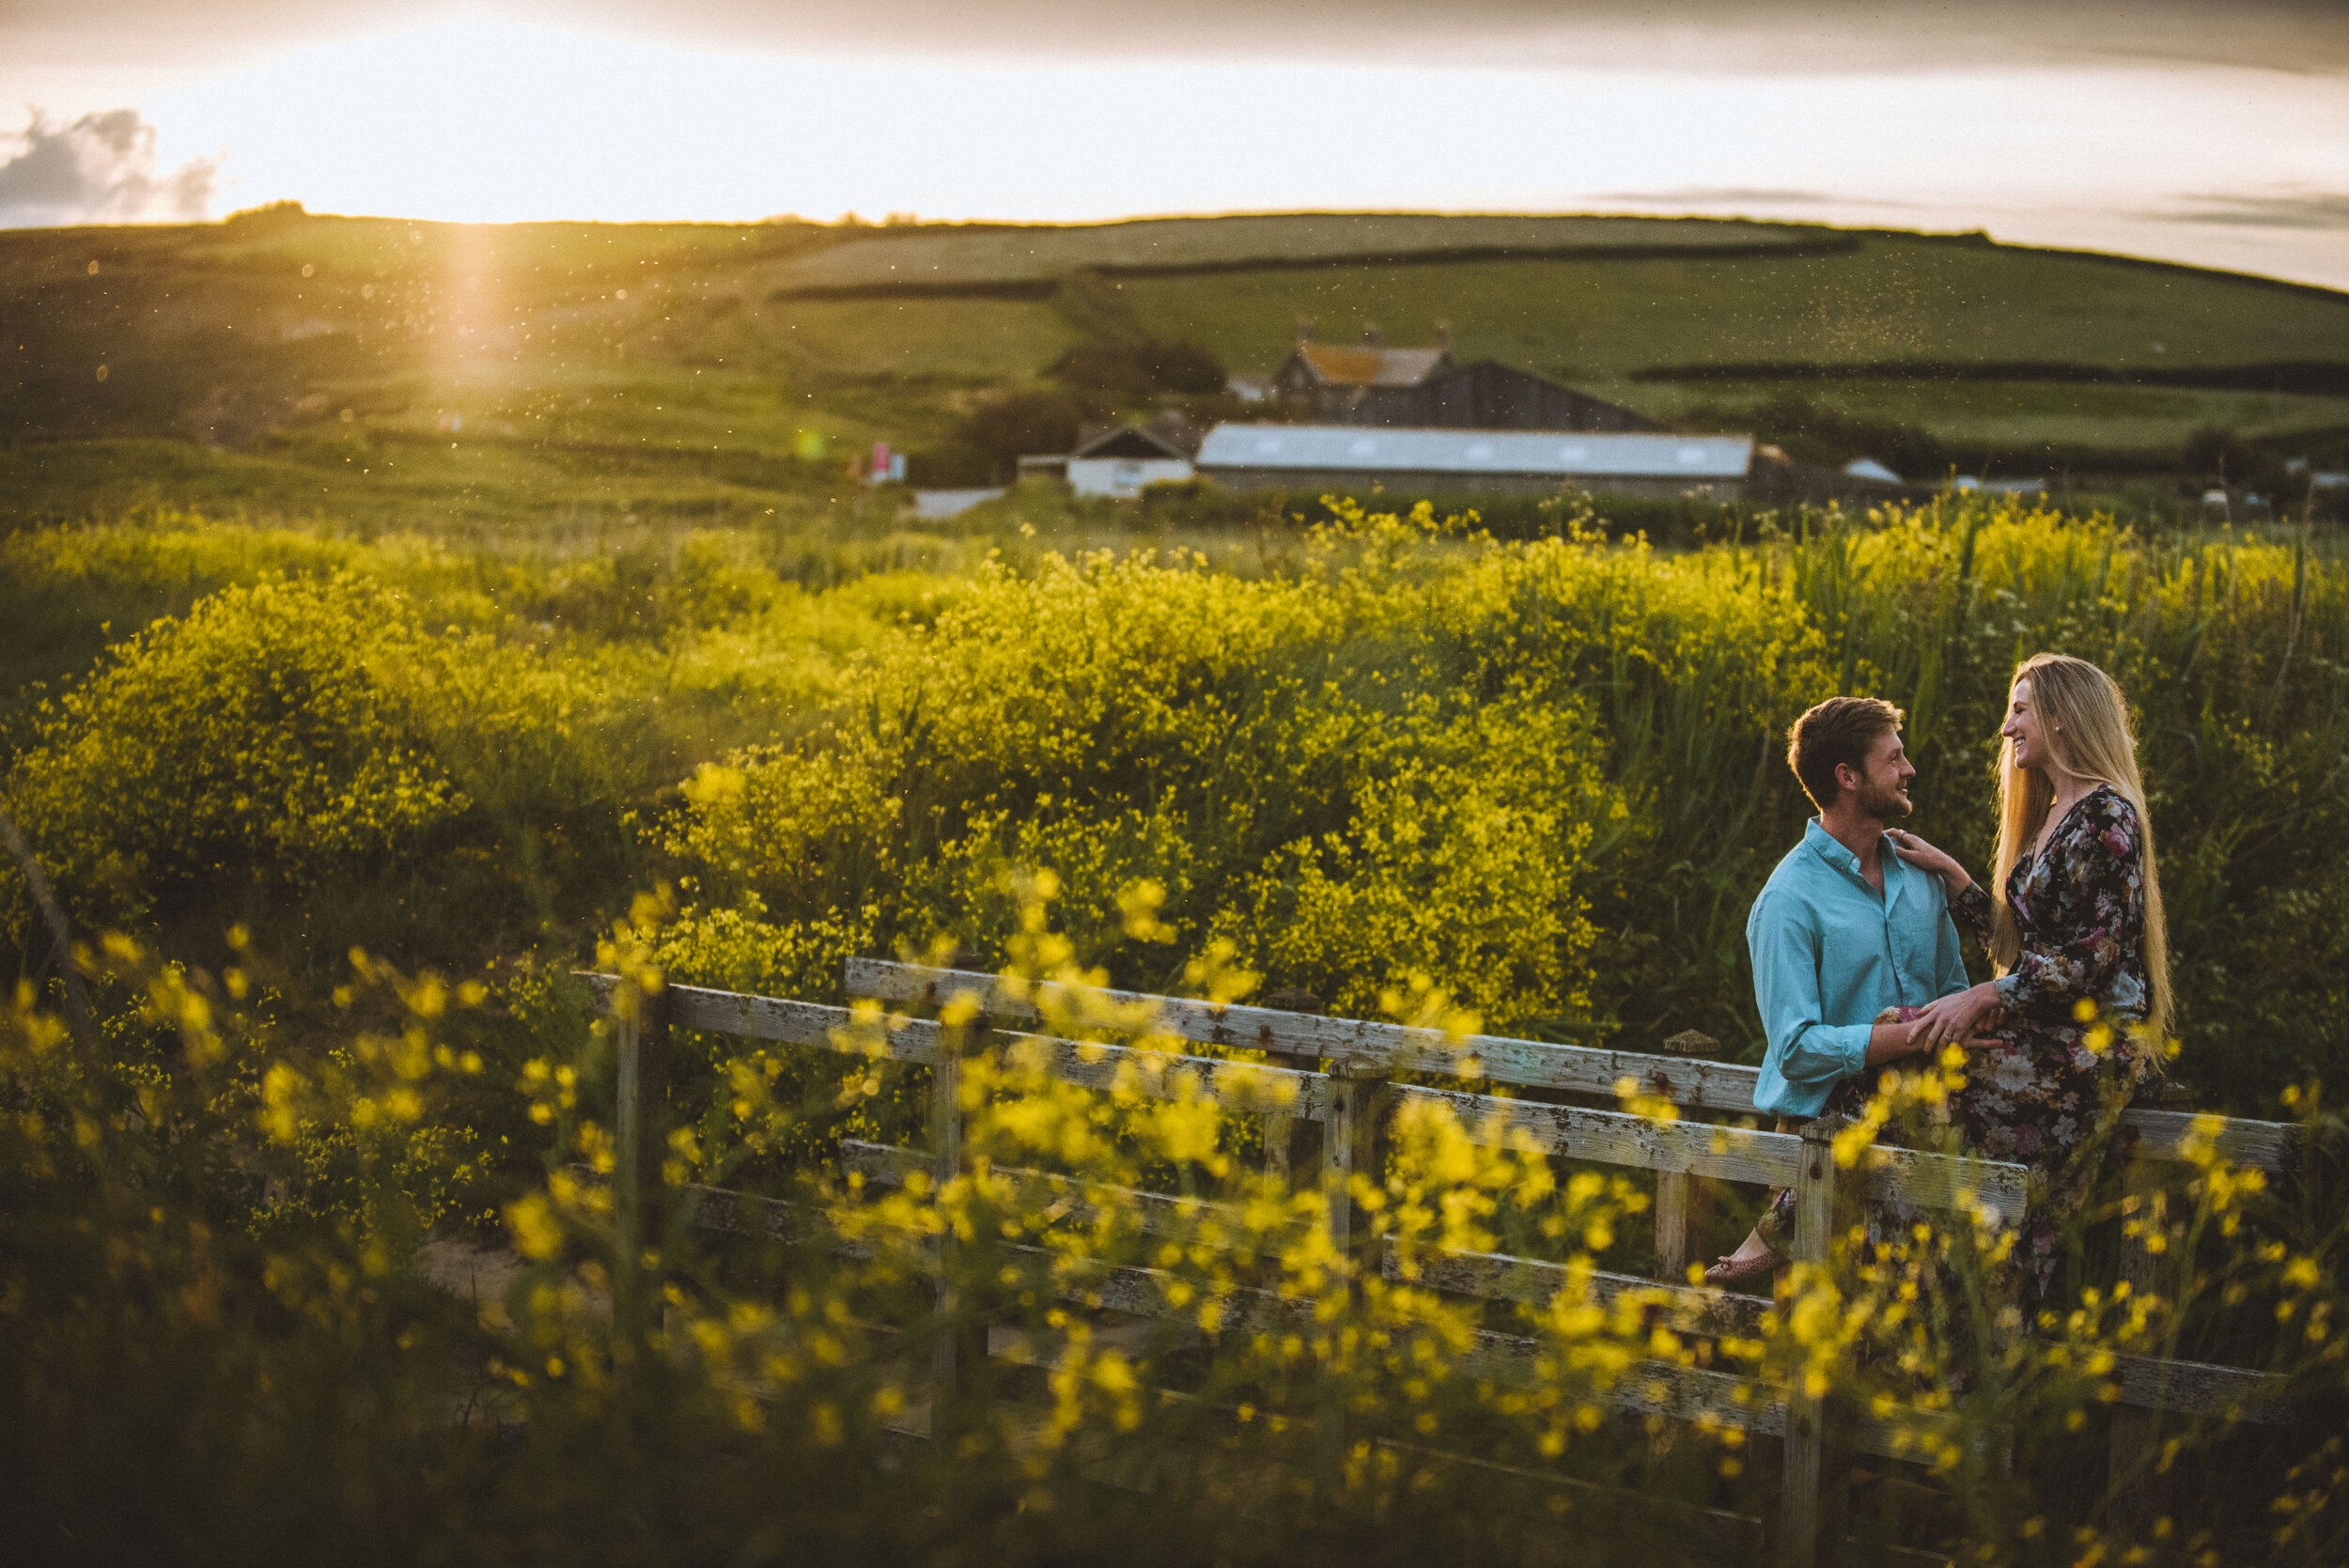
{"x": 1856, "y": 958}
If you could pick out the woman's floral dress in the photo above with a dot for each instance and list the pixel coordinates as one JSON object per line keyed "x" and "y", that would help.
{"x": 2045, "y": 1096}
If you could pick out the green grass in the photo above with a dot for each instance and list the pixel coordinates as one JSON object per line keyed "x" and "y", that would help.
{"x": 2004, "y": 416}
{"x": 550, "y": 375}
{"x": 1893, "y": 298}
{"x": 964, "y": 341}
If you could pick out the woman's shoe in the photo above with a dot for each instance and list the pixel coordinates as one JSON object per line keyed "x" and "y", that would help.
{"x": 1731, "y": 1272}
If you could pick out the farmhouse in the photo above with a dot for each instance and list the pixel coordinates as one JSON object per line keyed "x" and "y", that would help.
{"x": 1426, "y": 389}
{"x": 1451, "y": 461}
{"x": 1120, "y": 460}
{"x": 1331, "y": 379}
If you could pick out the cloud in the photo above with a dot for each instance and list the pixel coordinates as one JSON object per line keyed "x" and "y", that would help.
{"x": 2311, "y": 209}
{"x": 100, "y": 169}
{"x": 1709, "y": 37}
{"x": 1727, "y": 196}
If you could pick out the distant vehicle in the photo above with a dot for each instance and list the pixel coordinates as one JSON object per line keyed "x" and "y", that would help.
{"x": 1868, "y": 467}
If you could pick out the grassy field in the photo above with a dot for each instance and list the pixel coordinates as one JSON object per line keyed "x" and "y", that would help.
{"x": 378, "y": 371}
{"x": 2007, "y": 414}
{"x": 1890, "y": 298}
{"x": 416, "y": 596}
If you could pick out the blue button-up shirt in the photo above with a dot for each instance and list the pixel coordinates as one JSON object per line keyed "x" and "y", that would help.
{"x": 1830, "y": 954}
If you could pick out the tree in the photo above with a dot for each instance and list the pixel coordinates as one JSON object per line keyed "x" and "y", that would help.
{"x": 1134, "y": 367}
{"x": 1013, "y": 423}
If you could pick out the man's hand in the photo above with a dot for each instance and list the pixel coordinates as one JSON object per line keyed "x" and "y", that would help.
{"x": 1960, "y": 1015}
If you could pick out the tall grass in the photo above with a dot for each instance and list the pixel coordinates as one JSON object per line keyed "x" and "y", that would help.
{"x": 186, "y": 1307}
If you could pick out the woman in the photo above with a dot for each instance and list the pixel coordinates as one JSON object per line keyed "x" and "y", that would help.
{"x": 2077, "y": 933}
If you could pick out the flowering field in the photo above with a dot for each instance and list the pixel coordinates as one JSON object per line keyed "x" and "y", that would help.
{"x": 352, "y": 810}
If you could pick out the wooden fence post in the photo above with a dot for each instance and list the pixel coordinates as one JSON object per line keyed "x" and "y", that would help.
{"x": 1285, "y": 1153}
{"x": 2141, "y": 1493}
{"x": 1349, "y": 1146}
{"x": 1280, "y": 1136}
{"x": 1817, "y": 1478}
{"x": 955, "y": 1358}
{"x": 641, "y": 1141}
{"x": 1675, "y": 1192}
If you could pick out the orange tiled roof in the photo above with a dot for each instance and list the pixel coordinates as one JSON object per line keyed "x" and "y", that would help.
{"x": 1370, "y": 366}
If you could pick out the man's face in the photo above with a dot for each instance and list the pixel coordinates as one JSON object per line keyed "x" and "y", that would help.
{"x": 1882, "y": 791}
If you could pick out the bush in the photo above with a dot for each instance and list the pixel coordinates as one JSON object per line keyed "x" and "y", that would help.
{"x": 255, "y": 740}
{"x": 1136, "y": 367}
{"x": 1386, "y": 767}
{"x": 1811, "y": 432}
{"x": 2215, "y": 454}
{"x": 1011, "y": 425}
{"x": 956, "y": 465}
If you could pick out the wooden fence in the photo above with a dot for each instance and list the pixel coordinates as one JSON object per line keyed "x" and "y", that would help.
{"x": 1339, "y": 1074}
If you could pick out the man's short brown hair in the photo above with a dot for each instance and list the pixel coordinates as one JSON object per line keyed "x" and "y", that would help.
{"x": 1839, "y": 732}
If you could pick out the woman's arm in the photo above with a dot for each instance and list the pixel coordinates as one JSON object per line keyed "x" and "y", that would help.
{"x": 2099, "y": 915}
{"x": 1971, "y": 905}
{"x": 1967, "y": 902}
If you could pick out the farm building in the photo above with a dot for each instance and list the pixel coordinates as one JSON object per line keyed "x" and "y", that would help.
{"x": 1119, "y": 461}
{"x": 1447, "y": 461}
{"x": 1331, "y": 379}
{"x": 1426, "y": 389}
{"x": 1490, "y": 395}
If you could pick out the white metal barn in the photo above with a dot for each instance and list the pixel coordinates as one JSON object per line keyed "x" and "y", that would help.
{"x": 1513, "y": 463}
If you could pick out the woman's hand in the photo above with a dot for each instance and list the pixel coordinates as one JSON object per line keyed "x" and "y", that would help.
{"x": 1959, "y": 1015}
{"x": 1925, "y": 857}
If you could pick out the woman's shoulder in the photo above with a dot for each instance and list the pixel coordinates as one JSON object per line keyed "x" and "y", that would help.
{"x": 2106, "y": 818}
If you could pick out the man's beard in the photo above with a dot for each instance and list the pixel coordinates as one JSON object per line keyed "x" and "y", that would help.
{"x": 1882, "y": 804}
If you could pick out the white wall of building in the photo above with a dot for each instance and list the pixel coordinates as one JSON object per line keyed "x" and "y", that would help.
{"x": 1122, "y": 478}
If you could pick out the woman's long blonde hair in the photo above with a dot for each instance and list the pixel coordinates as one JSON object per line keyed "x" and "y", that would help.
{"x": 2085, "y": 724}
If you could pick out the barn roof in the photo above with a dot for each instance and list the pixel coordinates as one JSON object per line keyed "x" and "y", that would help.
{"x": 1133, "y": 441}
{"x": 1400, "y": 450}
{"x": 1367, "y": 366}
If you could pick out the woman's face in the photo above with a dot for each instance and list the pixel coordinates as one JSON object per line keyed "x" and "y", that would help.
{"x": 2024, "y": 730}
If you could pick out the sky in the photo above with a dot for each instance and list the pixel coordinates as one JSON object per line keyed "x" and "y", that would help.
{"x": 2211, "y": 133}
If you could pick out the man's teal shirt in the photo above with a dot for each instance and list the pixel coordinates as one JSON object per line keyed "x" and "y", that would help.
{"x": 1830, "y": 955}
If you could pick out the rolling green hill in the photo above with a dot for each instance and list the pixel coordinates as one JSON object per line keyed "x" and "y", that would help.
{"x": 382, "y": 370}
{"x": 1033, "y": 258}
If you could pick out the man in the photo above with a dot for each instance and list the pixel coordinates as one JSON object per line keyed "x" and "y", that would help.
{"x": 1843, "y": 930}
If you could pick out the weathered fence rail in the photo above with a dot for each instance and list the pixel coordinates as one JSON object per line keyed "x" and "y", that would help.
{"x": 1692, "y": 1083}
{"x": 1336, "y": 1074}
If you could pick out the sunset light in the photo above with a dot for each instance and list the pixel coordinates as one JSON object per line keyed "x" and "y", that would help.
{"x": 1185, "y": 784}
{"x": 491, "y": 120}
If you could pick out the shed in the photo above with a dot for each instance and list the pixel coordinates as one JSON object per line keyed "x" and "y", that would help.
{"x": 1120, "y": 462}
{"x": 1490, "y": 395}
{"x": 1449, "y": 461}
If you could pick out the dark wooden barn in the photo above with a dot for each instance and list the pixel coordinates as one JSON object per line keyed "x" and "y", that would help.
{"x": 1490, "y": 395}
